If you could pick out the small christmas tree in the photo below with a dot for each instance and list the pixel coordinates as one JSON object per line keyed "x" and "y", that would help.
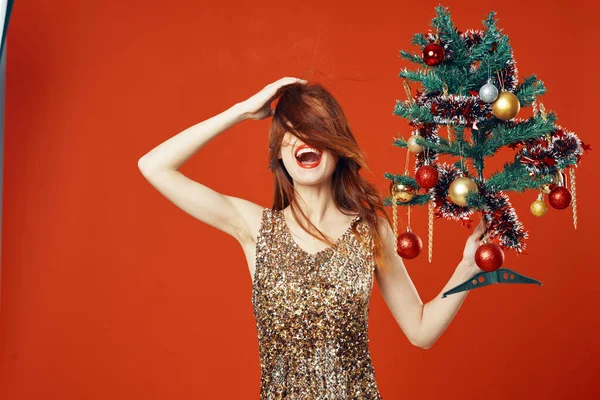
{"x": 471, "y": 94}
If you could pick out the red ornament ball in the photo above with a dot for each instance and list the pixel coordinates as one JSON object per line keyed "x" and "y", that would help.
{"x": 489, "y": 257}
{"x": 433, "y": 54}
{"x": 559, "y": 197}
{"x": 427, "y": 176}
{"x": 409, "y": 245}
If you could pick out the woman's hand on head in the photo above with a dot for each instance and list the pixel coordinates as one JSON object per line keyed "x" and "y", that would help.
{"x": 473, "y": 242}
{"x": 259, "y": 105}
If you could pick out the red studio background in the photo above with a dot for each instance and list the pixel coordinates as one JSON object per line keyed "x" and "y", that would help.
{"x": 111, "y": 292}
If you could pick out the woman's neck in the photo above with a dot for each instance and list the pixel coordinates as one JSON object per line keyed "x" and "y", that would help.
{"x": 317, "y": 202}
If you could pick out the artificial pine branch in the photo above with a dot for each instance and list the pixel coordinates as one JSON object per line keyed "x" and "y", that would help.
{"x": 418, "y": 200}
{"x": 454, "y": 148}
{"x": 515, "y": 177}
{"x": 443, "y": 148}
{"x": 514, "y": 132}
{"x": 419, "y": 39}
{"x": 415, "y": 58}
{"x": 412, "y": 111}
{"x": 430, "y": 81}
{"x": 449, "y": 34}
{"x": 404, "y": 179}
{"x": 490, "y": 23}
{"x": 529, "y": 90}
{"x": 483, "y": 50}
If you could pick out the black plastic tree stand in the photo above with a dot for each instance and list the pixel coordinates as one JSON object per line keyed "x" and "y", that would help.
{"x": 502, "y": 275}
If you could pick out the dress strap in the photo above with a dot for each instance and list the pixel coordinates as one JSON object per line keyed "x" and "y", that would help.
{"x": 267, "y": 222}
{"x": 264, "y": 240}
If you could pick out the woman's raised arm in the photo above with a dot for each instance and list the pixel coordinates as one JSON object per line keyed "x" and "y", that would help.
{"x": 232, "y": 215}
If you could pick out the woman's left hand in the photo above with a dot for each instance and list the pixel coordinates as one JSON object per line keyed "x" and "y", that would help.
{"x": 473, "y": 242}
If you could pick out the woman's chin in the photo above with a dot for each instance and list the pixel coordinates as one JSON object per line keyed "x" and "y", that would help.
{"x": 310, "y": 177}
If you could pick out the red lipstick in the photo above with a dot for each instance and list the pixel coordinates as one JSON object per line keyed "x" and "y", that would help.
{"x": 307, "y": 165}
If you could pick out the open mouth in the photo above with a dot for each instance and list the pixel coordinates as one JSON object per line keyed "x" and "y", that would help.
{"x": 307, "y": 157}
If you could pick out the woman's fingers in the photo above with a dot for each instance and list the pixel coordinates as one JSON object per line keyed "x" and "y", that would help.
{"x": 258, "y": 106}
{"x": 288, "y": 81}
{"x": 274, "y": 88}
{"x": 292, "y": 79}
{"x": 479, "y": 230}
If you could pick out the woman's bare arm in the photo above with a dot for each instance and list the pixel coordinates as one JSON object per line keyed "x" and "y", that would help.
{"x": 422, "y": 323}
{"x": 230, "y": 214}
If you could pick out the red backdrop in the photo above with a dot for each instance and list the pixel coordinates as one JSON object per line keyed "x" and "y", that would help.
{"x": 111, "y": 292}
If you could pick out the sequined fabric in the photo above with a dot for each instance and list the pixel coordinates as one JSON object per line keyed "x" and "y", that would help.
{"x": 311, "y": 314}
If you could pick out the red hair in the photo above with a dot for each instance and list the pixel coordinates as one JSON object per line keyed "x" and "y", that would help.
{"x": 318, "y": 120}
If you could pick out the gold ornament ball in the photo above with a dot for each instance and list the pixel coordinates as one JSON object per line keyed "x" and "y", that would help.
{"x": 538, "y": 208}
{"x": 506, "y": 106}
{"x": 459, "y": 188}
{"x": 402, "y": 192}
{"x": 412, "y": 144}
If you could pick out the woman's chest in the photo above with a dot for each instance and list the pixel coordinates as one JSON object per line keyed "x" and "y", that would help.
{"x": 345, "y": 276}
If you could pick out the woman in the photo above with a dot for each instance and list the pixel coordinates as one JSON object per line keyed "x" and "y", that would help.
{"x": 312, "y": 255}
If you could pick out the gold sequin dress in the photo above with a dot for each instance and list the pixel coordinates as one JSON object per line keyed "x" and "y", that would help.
{"x": 311, "y": 314}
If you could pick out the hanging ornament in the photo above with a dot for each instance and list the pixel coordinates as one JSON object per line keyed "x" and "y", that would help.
{"x": 459, "y": 188}
{"x": 409, "y": 244}
{"x": 538, "y": 207}
{"x": 574, "y": 204}
{"x": 449, "y": 130}
{"x": 433, "y": 54}
{"x": 395, "y": 222}
{"x": 489, "y": 257}
{"x": 402, "y": 192}
{"x": 560, "y": 197}
{"x": 547, "y": 187}
{"x": 506, "y": 106}
{"x": 488, "y": 93}
{"x": 412, "y": 145}
{"x": 542, "y": 112}
{"x": 409, "y": 96}
{"x": 430, "y": 229}
{"x": 427, "y": 176}
{"x": 559, "y": 179}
